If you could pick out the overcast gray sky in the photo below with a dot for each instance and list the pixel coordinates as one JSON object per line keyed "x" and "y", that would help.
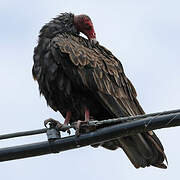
{"x": 144, "y": 35}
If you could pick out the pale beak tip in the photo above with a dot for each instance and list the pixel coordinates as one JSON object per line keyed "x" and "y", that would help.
{"x": 93, "y": 41}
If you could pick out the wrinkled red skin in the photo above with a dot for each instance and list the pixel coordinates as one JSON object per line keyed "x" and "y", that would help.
{"x": 84, "y": 24}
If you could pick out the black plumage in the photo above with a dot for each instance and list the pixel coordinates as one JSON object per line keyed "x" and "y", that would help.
{"x": 75, "y": 74}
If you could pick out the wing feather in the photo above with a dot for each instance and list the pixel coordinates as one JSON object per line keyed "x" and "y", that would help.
{"x": 99, "y": 69}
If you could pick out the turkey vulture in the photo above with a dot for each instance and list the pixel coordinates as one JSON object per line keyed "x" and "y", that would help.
{"x": 81, "y": 79}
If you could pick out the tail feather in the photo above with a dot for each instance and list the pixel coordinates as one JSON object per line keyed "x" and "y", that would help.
{"x": 134, "y": 156}
{"x": 156, "y": 143}
{"x": 143, "y": 149}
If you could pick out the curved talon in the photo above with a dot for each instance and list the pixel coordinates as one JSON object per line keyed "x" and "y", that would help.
{"x": 52, "y": 122}
{"x": 47, "y": 121}
{"x": 56, "y": 124}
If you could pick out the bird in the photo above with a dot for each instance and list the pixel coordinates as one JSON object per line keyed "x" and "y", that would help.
{"x": 83, "y": 80}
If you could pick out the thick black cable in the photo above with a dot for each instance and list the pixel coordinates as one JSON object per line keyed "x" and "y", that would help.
{"x": 98, "y": 136}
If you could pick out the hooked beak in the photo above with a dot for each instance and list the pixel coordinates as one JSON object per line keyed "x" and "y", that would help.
{"x": 94, "y": 41}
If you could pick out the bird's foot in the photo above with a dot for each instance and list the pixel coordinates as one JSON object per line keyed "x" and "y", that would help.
{"x": 56, "y": 124}
{"x": 78, "y": 127}
{"x": 84, "y": 127}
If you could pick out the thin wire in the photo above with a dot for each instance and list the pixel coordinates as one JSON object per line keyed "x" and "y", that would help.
{"x": 91, "y": 123}
{"x": 23, "y": 133}
{"x": 130, "y": 118}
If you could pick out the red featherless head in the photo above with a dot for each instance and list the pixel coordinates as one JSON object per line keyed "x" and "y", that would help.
{"x": 84, "y": 24}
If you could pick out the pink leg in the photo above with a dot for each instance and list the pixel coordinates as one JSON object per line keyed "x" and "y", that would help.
{"x": 87, "y": 114}
{"x": 68, "y": 117}
{"x": 67, "y": 120}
